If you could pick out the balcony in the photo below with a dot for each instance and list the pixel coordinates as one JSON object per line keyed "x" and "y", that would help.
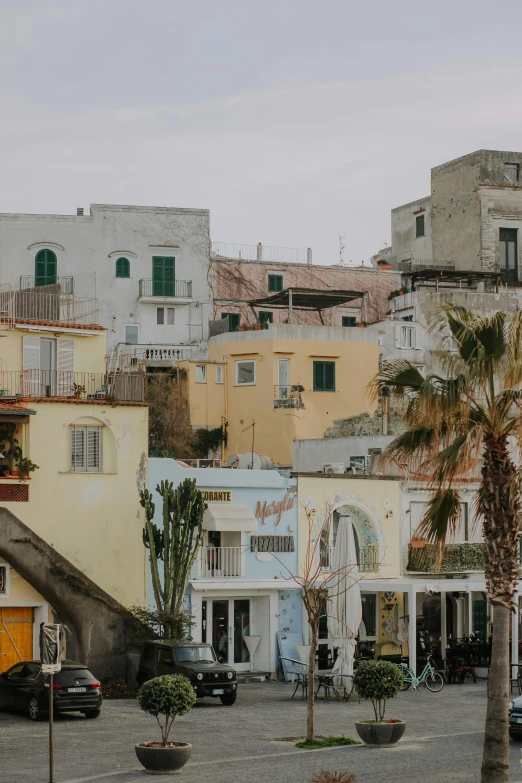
{"x": 219, "y": 562}
{"x": 367, "y": 558}
{"x": 458, "y": 558}
{"x": 420, "y": 264}
{"x": 403, "y": 301}
{"x": 64, "y": 284}
{"x": 180, "y": 289}
{"x": 288, "y": 396}
{"x": 132, "y": 357}
{"x": 77, "y": 385}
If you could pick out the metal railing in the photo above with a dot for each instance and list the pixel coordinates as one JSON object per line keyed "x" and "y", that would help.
{"x": 33, "y": 305}
{"x": 367, "y": 558}
{"x": 65, "y": 284}
{"x": 260, "y": 252}
{"x": 223, "y": 561}
{"x": 79, "y": 385}
{"x": 179, "y": 289}
{"x": 288, "y": 396}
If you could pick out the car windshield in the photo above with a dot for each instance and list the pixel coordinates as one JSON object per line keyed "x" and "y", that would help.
{"x": 73, "y": 677}
{"x": 195, "y": 655}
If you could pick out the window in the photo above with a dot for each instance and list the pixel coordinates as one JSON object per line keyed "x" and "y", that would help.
{"x": 324, "y": 376}
{"x": 233, "y": 320}
{"x": 170, "y": 316}
{"x": 409, "y": 337}
{"x": 160, "y": 316}
{"x": 369, "y": 614}
{"x": 349, "y": 320}
{"x": 508, "y": 253}
{"x": 86, "y": 449}
{"x": 201, "y": 373}
{"x": 165, "y": 656}
{"x": 266, "y": 317}
{"x": 45, "y": 268}
{"x": 419, "y": 226}
{"x": 123, "y": 267}
{"x": 511, "y": 172}
{"x": 131, "y": 335}
{"x": 219, "y": 373}
{"x": 3, "y": 579}
{"x": 163, "y": 276}
{"x": 275, "y": 283}
{"x": 245, "y": 373}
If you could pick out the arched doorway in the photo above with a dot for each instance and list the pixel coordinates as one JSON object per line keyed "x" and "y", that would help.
{"x": 45, "y": 268}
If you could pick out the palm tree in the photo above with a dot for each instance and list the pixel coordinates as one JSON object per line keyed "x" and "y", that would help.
{"x": 471, "y": 415}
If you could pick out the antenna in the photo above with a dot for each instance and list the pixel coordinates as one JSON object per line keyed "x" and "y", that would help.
{"x": 253, "y": 426}
{"x": 342, "y": 248}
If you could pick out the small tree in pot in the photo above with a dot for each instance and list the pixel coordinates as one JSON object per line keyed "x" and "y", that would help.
{"x": 166, "y": 697}
{"x": 379, "y": 681}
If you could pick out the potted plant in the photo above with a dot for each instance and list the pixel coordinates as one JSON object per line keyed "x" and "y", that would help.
{"x": 167, "y": 696}
{"x": 379, "y": 681}
{"x": 25, "y": 466}
{"x": 418, "y": 543}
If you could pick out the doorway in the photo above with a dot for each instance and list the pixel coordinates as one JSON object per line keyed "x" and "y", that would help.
{"x": 230, "y": 624}
{"x": 283, "y": 379}
{"x": 47, "y": 367}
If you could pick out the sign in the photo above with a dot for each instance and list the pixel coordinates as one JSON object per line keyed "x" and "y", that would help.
{"x": 272, "y": 544}
{"x": 217, "y": 495}
{"x": 52, "y": 647}
{"x": 275, "y": 509}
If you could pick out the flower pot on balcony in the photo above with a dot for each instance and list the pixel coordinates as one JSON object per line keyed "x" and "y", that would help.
{"x": 15, "y": 473}
{"x": 418, "y": 543}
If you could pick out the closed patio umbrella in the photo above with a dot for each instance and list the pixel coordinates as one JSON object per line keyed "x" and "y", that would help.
{"x": 344, "y": 605}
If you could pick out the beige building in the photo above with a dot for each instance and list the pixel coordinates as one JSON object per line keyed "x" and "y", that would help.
{"x": 293, "y": 381}
{"x": 62, "y": 411}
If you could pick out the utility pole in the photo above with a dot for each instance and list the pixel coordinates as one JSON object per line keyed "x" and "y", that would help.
{"x": 253, "y": 426}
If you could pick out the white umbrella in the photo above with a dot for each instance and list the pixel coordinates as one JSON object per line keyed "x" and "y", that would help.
{"x": 345, "y": 608}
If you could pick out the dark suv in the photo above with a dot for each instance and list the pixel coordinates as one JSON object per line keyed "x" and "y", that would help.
{"x": 197, "y": 662}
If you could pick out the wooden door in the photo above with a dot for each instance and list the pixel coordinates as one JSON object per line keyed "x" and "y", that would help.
{"x": 16, "y": 635}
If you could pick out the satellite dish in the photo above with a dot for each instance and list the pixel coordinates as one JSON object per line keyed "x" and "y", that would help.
{"x": 232, "y": 460}
{"x": 251, "y": 460}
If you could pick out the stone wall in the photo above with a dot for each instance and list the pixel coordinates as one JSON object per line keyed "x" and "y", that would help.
{"x": 365, "y": 424}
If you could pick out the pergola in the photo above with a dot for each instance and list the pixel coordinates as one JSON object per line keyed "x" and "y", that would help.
{"x": 309, "y": 299}
{"x": 451, "y": 276}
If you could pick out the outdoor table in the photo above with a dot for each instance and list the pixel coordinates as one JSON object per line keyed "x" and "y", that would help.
{"x": 325, "y": 681}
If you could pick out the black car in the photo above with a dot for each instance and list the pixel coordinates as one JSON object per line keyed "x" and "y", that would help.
{"x": 197, "y": 662}
{"x": 24, "y": 688}
{"x": 515, "y": 718}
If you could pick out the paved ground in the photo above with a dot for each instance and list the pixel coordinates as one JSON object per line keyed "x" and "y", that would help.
{"x": 442, "y": 744}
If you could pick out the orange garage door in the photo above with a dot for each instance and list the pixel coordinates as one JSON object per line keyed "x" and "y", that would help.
{"x": 16, "y": 635}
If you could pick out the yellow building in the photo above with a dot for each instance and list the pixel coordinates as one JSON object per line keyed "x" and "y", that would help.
{"x": 293, "y": 381}
{"x": 66, "y": 415}
{"x": 372, "y": 506}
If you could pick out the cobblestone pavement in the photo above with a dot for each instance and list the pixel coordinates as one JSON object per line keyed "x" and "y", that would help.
{"x": 443, "y": 741}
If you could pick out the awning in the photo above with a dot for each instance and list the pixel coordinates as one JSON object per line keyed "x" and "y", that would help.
{"x": 229, "y": 516}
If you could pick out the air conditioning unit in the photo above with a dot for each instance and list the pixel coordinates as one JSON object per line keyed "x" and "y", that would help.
{"x": 333, "y": 467}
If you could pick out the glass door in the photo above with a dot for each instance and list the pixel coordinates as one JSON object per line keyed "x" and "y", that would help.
{"x": 284, "y": 379}
{"x": 230, "y": 624}
{"x": 47, "y": 367}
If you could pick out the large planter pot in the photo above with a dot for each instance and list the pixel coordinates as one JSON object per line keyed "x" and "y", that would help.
{"x": 164, "y": 761}
{"x": 380, "y": 735}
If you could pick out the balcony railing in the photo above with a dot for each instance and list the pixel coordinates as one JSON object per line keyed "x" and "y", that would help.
{"x": 288, "y": 396}
{"x": 129, "y": 357}
{"x": 79, "y": 385}
{"x": 260, "y": 252}
{"x": 65, "y": 284}
{"x": 223, "y": 561}
{"x": 367, "y": 558}
{"x": 419, "y": 264}
{"x": 403, "y": 301}
{"x": 458, "y": 558}
{"x": 180, "y": 289}
{"x": 35, "y": 305}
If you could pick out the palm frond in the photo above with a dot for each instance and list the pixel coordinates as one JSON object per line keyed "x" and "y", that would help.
{"x": 398, "y": 374}
{"x": 411, "y": 446}
{"x": 459, "y": 457}
{"x": 441, "y": 517}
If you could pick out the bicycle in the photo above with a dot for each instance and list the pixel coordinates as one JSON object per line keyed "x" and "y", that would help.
{"x": 433, "y": 681}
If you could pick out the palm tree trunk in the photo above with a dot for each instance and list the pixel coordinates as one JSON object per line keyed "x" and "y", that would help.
{"x": 495, "y": 757}
{"x": 499, "y": 503}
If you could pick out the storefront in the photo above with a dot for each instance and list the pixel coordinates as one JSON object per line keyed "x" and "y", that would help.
{"x": 241, "y": 590}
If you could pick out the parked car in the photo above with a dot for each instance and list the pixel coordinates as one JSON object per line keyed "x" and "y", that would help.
{"x": 197, "y": 662}
{"x": 515, "y": 718}
{"x": 24, "y": 688}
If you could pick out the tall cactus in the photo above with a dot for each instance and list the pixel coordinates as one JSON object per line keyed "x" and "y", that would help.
{"x": 176, "y": 544}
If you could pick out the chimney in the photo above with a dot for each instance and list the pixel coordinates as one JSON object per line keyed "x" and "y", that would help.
{"x": 79, "y": 211}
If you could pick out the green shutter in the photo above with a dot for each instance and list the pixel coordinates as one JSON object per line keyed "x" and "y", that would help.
{"x": 163, "y": 276}
{"x": 349, "y": 320}
{"x": 122, "y": 267}
{"x": 275, "y": 283}
{"x": 266, "y": 317}
{"x": 318, "y": 376}
{"x": 324, "y": 376}
{"x": 45, "y": 268}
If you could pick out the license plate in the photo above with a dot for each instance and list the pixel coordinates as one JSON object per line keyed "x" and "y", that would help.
{"x": 77, "y": 690}
{"x": 221, "y": 692}
{"x": 518, "y": 720}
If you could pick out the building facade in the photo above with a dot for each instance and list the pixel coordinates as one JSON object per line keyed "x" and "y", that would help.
{"x": 144, "y": 270}
{"x": 242, "y": 583}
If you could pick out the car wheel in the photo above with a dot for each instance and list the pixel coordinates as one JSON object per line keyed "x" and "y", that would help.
{"x": 92, "y": 714}
{"x": 34, "y": 709}
{"x": 229, "y": 698}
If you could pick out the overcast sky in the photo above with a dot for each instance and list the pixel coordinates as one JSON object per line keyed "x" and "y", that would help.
{"x": 293, "y": 121}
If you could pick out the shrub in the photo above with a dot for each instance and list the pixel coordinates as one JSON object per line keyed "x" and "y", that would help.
{"x": 117, "y": 688}
{"x": 378, "y": 681}
{"x": 334, "y": 777}
{"x": 169, "y": 696}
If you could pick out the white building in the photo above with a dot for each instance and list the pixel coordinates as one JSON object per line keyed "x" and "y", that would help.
{"x": 145, "y": 269}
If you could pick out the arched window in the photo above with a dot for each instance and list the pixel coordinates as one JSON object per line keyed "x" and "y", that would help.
{"x": 122, "y": 267}
{"x": 45, "y": 268}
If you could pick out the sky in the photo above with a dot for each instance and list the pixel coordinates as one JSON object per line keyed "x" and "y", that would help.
{"x": 294, "y": 122}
